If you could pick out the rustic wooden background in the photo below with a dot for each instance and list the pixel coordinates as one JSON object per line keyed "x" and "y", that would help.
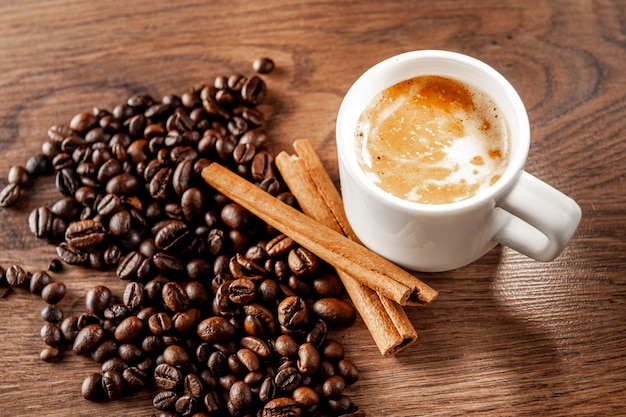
{"x": 507, "y": 335}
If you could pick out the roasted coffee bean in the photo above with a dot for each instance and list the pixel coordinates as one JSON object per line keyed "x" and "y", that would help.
{"x": 176, "y": 356}
{"x": 327, "y": 285}
{"x": 18, "y": 175}
{"x": 256, "y": 345}
{"x": 86, "y": 319}
{"x": 308, "y": 359}
{"x": 67, "y": 181}
{"x": 98, "y": 299}
{"x": 248, "y": 359}
{"x": 51, "y": 334}
{"x": 240, "y": 396}
{"x": 174, "y": 296}
{"x": 130, "y": 353}
{"x": 55, "y": 265}
{"x": 122, "y": 184}
{"x": 82, "y": 122}
{"x": 159, "y": 323}
{"x": 340, "y": 405}
{"x": 87, "y": 339}
{"x": 128, "y": 267}
{"x": 173, "y": 236}
{"x": 348, "y": 371}
{"x": 105, "y": 351}
{"x": 53, "y": 293}
{"x": 167, "y": 377}
{"x": 281, "y": 407}
{"x": 133, "y": 294}
{"x": 52, "y": 314}
{"x": 134, "y": 378}
{"x": 92, "y": 389}
{"x": 49, "y": 354}
{"x": 120, "y": 223}
{"x": 69, "y": 328}
{"x": 71, "y": 255}
{"x": 113, "y": 384}
{"x": 114, "y": 364}
{"x": 16, "y": 276}
{"x": 194, "y": 386}
{"x": 333, "y": 350}
{"x": 40, "y": 222}
{"x": 9, "y": 195}
{"x": 286, "y": 346}
{"x": 165, "y": 400}
{"x": 186, "y": 321}
{"x": 279, "y": 246}
{"x": 213, "y": 403}
{"x": 263, "y": 65}
{"x": 262, "y": 166}
{"x": 85, "y": 234}
{"x": 215, "y": 329}
{"x": 293, "y": 313}
{"x": 187, "y": 406}
{"x": 317, "y": 335}
{"x": 241, "y": 291}
{"x": 333, "y": 386}
{"x": 267, "y": 391}
{"x": 288, "y": 379}
{"x": 129, "y": 329}
{"x": 302, "y": 262}
{"x": 334, "y": 311}
{"x": 38, "y": 281}
{"x": 253, "y": 91}
{"x": 243, "y": 268}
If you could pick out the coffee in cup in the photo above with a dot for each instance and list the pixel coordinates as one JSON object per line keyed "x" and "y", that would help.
{"x": 432, "y": 140}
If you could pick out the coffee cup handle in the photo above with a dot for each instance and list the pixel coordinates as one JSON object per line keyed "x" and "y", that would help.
{"x": 535, "y": 219}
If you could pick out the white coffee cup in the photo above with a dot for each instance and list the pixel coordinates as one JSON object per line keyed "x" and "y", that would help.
{"x": 518, "y": 211}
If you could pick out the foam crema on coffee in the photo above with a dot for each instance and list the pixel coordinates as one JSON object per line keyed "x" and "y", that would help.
{"x": 432, "y": 140}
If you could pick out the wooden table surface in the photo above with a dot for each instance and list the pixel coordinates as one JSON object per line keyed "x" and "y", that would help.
{"x": 507, "y": 335}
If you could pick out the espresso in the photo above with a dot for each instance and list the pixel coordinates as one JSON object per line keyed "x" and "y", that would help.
{"x": 432, "y": 140}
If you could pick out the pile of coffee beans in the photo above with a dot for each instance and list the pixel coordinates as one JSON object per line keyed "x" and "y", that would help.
{"x": 221, "y": 314}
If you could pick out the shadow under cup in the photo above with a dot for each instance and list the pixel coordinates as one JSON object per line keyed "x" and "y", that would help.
{"x": 426, "y": 237}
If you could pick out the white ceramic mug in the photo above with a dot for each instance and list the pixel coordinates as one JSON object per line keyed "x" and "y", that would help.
{"x": 518, "y": 211}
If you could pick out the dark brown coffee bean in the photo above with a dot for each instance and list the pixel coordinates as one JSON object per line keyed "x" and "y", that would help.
{"x": 85, "y": 234}
{"x": 167, "y": 377}
{"x": 82, "y": 122}
{"x": 105, "y": 351}
{"x": 51, "y": 334}
{"x": 288, "y": 379}
{"x": 192, "y": 204}
{"x": 134, "y": 378}
{"x": 120, "y": 223}
{"x": 253, "y": 91}
{"x": 52, "y": 314}
{"x": 122, "y": 184}
{"x": 159, "y": 323}
{"x": 213, "y": 403}
{"x": 113, "y": 384}
{"x": 248, "y": 359}
{"x": 87, "y": 339}
{"x": 194, "y": 386}
{"x": 98, "y": 299}
{"x": 133, "y": 294}
{"x": 263, "y": 65}
{"x": 241, "y": 291}
{"x": 333, "y": 386}
{"x": 327, "y": 285}
{"x": 267, "y": 391}
{"x": 130, "y": 353}
{"x": 240, "y": 396}
{"x": 302, "y": 262}
{"x": 18, "y": 175}
{"x": 53, "y": 293}
{"x": 348, "y": 371}
{"x": 40, "y": 222}
{"x": 176, "y": 356}
{"x": 186, "y": 321}
{"x": 38, "y": 281}
{"x": 165, "y": 400}
{"x": 334, "y": 311}
{"x": 71, "y": 255}
{"x": 173, "y": 236}
{"x": 317, "y": 335}
{"x": 215, "y": 329}
{"x": 308, "y": 359}
{"x": 92, "y": 389}
{"x": 16, "y": 276}
{"x": 129, "y": 329}
{"x": 67, "y": 181}
{"x": 281, "y": 407}
{"x": 265, "y": 316}
{"x": 279, "y": 246}
{"x": 262, "y": 166}
{"x": 69, "y": 328}
{"x": 174, "y": 296}
{"x": 49, "y": 354}
{"x": 257, "y": 345}
{"x": 286, "y": 346}
{"x": 293, "y": 313}
{"x": 243, "y": 268}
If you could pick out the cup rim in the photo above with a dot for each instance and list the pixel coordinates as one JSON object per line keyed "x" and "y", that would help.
{"x": 345, "y": 148}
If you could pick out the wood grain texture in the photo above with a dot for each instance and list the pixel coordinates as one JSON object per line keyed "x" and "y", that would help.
{"x": 507, "y": 335}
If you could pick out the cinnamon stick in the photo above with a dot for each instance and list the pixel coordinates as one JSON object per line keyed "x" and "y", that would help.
{"x": 385, "y": 320}
{"x": 327, "y": 190}
{"x": 331, "y": 246}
